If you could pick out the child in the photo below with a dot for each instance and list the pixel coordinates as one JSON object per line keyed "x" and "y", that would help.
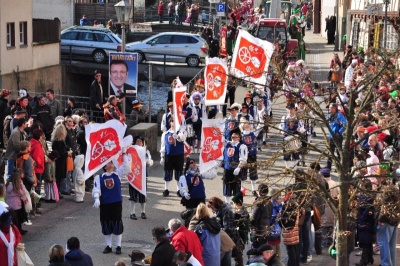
{"x": 15, "y": 195}
{"x": 78, "y": 178}
{"x": 49, "y": 176}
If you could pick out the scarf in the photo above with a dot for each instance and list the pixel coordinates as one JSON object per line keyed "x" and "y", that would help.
{"x": 193, "y": 172}
{"x": 9, "y": 245}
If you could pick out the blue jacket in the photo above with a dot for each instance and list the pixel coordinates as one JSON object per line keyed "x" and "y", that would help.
{"x": 76, "y": 257}
{"x": 337, "y": 123}
{"x": 208, "y": 232}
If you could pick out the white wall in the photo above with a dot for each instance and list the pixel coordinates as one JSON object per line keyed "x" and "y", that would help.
{"x": 327, "y": 9}
{"x": 50, "y": 9}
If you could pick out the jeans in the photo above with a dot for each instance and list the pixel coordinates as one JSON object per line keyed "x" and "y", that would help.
{"x": 387, "y": 238}
{"x": 10, "y": 168}
{"x": 332, "y": 148}
{"x": 318, "y": 240}
{"x": 226, "y": 258}
{"x": 170, "y": 18}
{"x": 305, "y": 236}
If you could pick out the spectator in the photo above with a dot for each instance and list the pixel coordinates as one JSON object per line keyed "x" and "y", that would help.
{"x": 81, "y": 135}
{"x": 78, "y": 178}
{"x": 56, "y": 255}
{"x": 84, "y": 21}
{"x": 138, "y": 115}
{"x": 97, "y": 94}
{"x": 185, "y": 240}
{"x": 75, "y": 256}
{"x": 163, "y": 252}
{"x": 328, "y": 218}
{"x": 8, "y": 255}
{"x": 55, "y": 105}
{"x": 24, "y": 103}
{"x": 68, "y": 111}
{"x": 42, "y": 113}
{"x": 111, "y": 110}
{"x": 17, "y": 113}
{"x": 38, "y": 156}
{"x": 171, "y": 11}
{"x": 4, "y": 111}
{"x": 136, "y": 258}
{"x": 160, "y": 11}
{"x": 49, "y": 177}
{"x": 185, "y": 258}
{"x": 260, "y": 216}
{"x": 337, "y": 124}
{"x": 14, "y": 145}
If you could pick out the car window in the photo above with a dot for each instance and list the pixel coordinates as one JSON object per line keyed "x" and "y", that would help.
{"x": 179, "y": 39}
{"x": 71, "y": 35}
{"x": 101, "y": 37}
{"x": 193, "y": 40}
{"x": 164, "y": 39}
{"x": 86, "y": 36}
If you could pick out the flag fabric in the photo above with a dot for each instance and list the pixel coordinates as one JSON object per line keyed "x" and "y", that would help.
{"x": 137, "y": 176}
{"x": 216, "y": 81}
{"x": 212, "y": 143}
{"x": 251, "y": 58}
{"x": 223, "y": 42}
{"x": 179, "y": 95}
{"x": 104, "y": 142}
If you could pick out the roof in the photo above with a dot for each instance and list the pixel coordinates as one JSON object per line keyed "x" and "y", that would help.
{"x": 88, "y": 28}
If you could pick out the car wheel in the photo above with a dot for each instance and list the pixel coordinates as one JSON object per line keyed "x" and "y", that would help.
{"x": 99, "y": 56}
{"x": 141, "y": 57}
{"x": 193, "y": 61}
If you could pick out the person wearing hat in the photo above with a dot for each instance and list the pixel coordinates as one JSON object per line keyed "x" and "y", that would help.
{"x": 232, "y": 120}
{"x": 138, "y": 115}
{"x": 49, "y": 177}
{"x": 235, "y": 158}
{"x": 249, "y": 138}
{"x": 200, "y": 109}
{"x": 337, "y": 125}
{"x": 172, "y": 155}
{"x": 264, "y": 254}
{"x": 4, "y": 111}
{"x": 9, "y": 237}
{"x": 199, "y": 87}
{"x": 137, "y": 258}
{"x": 260, "y": 216}
{"x": 252, "y": 109}
{"x": 348, "y": 76}
{"x": 165, "y": 125}
{"x": 245, "y": 112}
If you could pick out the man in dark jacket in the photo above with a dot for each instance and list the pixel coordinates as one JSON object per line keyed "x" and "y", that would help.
{"x": 163, "y": 253}
{"x": 42, "y": 113}
{"x": 4, "y": 111}
{"x": 97, "y": 94}
{"x": 75, "y": 256}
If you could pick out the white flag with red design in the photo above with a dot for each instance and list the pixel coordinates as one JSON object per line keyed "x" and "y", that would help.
{"x": 251, "y": 58}
{"x": 178, "y": 96}
{"x": 216, "y": 81}
{"x": 212, "y": 143}
{"x": 137, "y": 176}
{"x": 104, "y": 143}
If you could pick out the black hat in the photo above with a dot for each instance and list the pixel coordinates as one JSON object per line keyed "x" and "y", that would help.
{"x": 53, "y": 155}
{"x": 326, "y": 172}
{"x": 238, "y": 198}
{"x": 19, "y": 110}
{"x": 264, "y": 247}
{"x": 349, "y": 46}
{"x": 254, "y": 252}
{"x": 291, "y": 106}
{"x": 136, "y": 255}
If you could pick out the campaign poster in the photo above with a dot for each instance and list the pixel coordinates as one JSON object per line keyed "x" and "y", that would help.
{"x": 123, "y": 73}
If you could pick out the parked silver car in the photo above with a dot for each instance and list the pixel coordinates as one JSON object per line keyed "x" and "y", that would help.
{"x": 174, "y": 46}
{"x": 90, "y": 41}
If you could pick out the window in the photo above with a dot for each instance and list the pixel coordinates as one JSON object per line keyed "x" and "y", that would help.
{"x": 179, "y": 39}
{"x": 71, "y": 35}
{"x": 10, "y": 35}
{"x": 193, "y": 40}
{"x": 23, "y": 36}
{"x": 391, "y": 39}
{"x": 101, "y": 37}
{"x": 86, "y": 36}
{"x": 164, "y": 39}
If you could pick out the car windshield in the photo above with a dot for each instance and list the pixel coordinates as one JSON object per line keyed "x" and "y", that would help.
{"x": 115, "y": 36}
{"x": 271, "y": 34}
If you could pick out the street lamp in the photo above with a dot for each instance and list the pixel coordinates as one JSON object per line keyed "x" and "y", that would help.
{"x": 123, "y": 10}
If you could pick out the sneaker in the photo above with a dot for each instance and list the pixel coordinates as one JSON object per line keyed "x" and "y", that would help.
{"x": 27, "y": 222}
{"x": 107, "y": 250}
{"x": 118, "y": 250}
{"x": 143, "y": 215}
{"x": 133, "y": 217}
{"x": 165, "y": 193}
{"x": 309, "y": 258}
{"x": 376, "y": 250}
{"x": 178, "y": 193}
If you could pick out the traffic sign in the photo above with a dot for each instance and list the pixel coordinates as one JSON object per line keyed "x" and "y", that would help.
{"x": 220, "y": 7}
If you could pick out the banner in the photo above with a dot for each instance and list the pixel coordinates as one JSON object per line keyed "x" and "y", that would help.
{"x": 223, "y": 50}
{"x": 104, "y": 142}
{"x": 137, "y": 176}
{"x": 212, "y": 143}
{"x": 216, "y": 81}
{"x": 251, "y": 57}
{"x": 123, "y": 73}
{"x": 178, "y": 96}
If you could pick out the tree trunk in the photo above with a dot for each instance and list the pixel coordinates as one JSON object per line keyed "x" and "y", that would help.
{"x": 341, "y": 236}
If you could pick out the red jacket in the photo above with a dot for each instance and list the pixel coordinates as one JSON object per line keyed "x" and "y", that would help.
{"x": 3, "y": 248}
{"x": 186, "y": 240}
{"x": 161, "y": 9}
{"x": 37, "y": 155}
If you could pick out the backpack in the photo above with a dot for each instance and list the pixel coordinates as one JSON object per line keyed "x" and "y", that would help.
{"x": 6, "y": 130}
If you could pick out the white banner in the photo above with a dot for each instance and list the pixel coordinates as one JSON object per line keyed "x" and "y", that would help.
{"x": 251, "y": 58}
{"x": 104, "y": 142}
{"x": 216, "y": 81}
{"x": 178, "y": 96}
{"x": 212, "y": 143}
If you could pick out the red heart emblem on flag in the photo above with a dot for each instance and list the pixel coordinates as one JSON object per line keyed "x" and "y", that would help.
{"x": 251, "y": 58}
{"x": 105, "y": 144}
{"x": 212, "y": 145}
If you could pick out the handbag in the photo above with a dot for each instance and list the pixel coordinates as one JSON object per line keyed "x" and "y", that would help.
{"x": 23, "y": 258}
{"x": 70, "y": 164}
{"x": 55, "y": 191}
{"x": 27, "y": 201}
{"x": 316, "y": 218}
{"x": 290, "y": 236}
